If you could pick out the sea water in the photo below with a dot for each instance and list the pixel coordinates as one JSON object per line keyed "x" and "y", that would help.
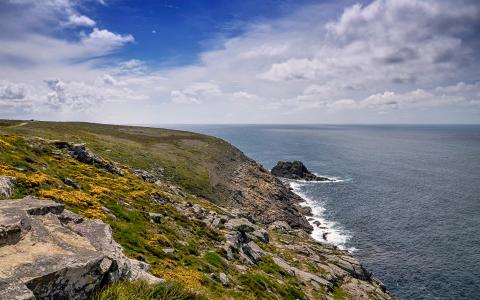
{"x": 406, "y": 201}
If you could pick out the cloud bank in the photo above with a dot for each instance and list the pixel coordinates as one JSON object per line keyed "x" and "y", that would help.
{"x": 370, "y": 62}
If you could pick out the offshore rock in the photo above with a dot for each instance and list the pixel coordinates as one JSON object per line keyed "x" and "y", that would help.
{"x": 50, "y": 253}
{"x": 295, "y": 170}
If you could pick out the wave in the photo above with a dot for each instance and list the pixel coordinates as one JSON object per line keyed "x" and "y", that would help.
{"x": 324, "y": 230}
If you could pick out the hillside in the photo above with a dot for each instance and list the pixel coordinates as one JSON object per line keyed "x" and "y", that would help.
{"x": 193, "y": 207}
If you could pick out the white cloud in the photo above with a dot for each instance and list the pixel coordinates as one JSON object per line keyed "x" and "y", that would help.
{"x": 12, "y": 91}
{"x": 80, "y": 20}
{"x": 307, "y": 66}
{"x": 104, "y": 41}
{"x": 195, "y": 93}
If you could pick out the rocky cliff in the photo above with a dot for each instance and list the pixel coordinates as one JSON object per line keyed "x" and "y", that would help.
{"x": 49, "y": 252}
{"x": 113, "y": 200}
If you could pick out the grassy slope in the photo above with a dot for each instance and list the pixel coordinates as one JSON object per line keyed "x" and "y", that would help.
{"x": 122, "y": 201}
{"x": 187, "y": 158}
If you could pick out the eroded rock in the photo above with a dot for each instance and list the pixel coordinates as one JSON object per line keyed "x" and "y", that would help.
{"x": 51, "y": 253}
{"x": 295, "y": 170}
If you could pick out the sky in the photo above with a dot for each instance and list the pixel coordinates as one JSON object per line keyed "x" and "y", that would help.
{"x": 245, "y": 61}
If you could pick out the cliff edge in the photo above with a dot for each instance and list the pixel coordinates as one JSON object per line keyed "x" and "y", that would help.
{"x": 88, "y": 207}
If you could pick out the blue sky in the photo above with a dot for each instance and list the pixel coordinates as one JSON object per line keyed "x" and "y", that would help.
{"x": 175, "y": 32}
{"x": 153, "y": 62}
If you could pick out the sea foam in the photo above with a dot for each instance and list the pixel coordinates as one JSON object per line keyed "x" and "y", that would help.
{"x": 328, "y": 231}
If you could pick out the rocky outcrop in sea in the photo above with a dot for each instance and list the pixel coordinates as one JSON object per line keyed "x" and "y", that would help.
{"x": 295, "y": 170}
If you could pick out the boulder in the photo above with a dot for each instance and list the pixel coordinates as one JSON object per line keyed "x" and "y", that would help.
{"x": 242, "y": 225}
{"x": 81, "y": 153}
{"x": 71, "y": 183}
{"x": 304, "y": 276}
{"x": 7, "y": 185}
{"x": 253, "y": 251}
{"x": 223, "y": 279}
{"x": 262, "y": 235}
{"x": 280, "y": 226}
{"x": 295, "y": 170}
{"x": 50, "y": 253}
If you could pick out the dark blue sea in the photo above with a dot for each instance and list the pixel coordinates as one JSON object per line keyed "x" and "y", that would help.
{"x": 406, "y": 202}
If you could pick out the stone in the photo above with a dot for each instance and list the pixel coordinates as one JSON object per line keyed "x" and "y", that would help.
{"x": 242, "y": 225}
{"x": 284, "y": 265}
{"x": 169, "y": 250}
{"x": 81, "y": 153}
{"x": 295, "y": 170}
{"x": 253, "y": 251}
{"x": 304, "y": 276}
{"x": 280, "y": 226}
{"x": 48, "y": 252}
{"x": 351, "y": 265}
{"x": 262, "y": 235}
{"x": 7, "y": 185}
{"x": 223, "y": 279}
{"x": 152, "y": 176}
{"x": 71, "y": 183}
{"x": 155, "y": 217}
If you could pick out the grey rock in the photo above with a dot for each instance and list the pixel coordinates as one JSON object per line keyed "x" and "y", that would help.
{"x": 169, "y": 250}
{"x": 253, "y": 251}
{"x": 350, "y": 265}
{"x": 70, "y": 182}
{"x": 81, "y": 153}
{"x": 52, "y": 253}
{"x": 223, "y": 279}
{"x": 305, "y": 277}
{"x": 242, "y": 225}
{"x": 280, "y": 226}
{"x": 149, "y": 176}
{"x": 155, "y": 217}
{"x": 7, "y": 185}
{"x": 295, "y": 170}
{"x": 13, "y": 289}
{"x": 262, "y": 235}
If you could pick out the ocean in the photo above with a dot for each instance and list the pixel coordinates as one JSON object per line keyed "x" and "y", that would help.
{"x": 406, "y": 199}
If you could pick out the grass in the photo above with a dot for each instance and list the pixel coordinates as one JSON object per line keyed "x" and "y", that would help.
{"x": 142, "y": 291}
{"x": 265, "y": 287}
{"x": 339, "y": 294}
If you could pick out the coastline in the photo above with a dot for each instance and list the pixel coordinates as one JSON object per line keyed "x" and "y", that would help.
{"x": 324, "y": 230}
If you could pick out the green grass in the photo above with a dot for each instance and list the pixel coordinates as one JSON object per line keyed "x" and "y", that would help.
{"x": 215, "y": 260}
{"x": 339, "y": 294}
{"x": 142, "y": 291}
{"x": 188, "y": 159}
{"x": 265, "y": 287}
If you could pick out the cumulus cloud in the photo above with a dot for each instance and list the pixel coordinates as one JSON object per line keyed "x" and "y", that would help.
{"x": 104, "y": 41}
{"x": 195, "y": 93}
{"x": 80, "y": 20}
{"x": 386, "y": 55}
{"x": 12, "y": 91}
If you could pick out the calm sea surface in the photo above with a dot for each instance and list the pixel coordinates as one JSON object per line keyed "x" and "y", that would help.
{"x": 407, "y": 202}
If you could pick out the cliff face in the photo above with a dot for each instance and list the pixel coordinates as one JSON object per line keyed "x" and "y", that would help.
{"x": 194, "y": 208}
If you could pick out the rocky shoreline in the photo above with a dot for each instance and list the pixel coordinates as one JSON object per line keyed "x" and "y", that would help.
{"x": 74, "y": 220}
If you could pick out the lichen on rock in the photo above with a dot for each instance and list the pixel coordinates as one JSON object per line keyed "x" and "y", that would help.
{"x": 49, "y": 252}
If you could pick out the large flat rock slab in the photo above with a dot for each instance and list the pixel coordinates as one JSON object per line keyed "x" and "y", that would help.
{"x": 47, "y": 252}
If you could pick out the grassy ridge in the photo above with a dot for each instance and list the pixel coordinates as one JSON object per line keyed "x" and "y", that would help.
{"x": 187, "y": 158}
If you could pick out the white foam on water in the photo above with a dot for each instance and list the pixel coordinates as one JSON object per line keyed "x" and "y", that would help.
{"x": 328, "y": 231}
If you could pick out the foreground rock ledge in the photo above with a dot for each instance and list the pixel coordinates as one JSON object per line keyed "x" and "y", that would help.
{"x": 47, "y": 252}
